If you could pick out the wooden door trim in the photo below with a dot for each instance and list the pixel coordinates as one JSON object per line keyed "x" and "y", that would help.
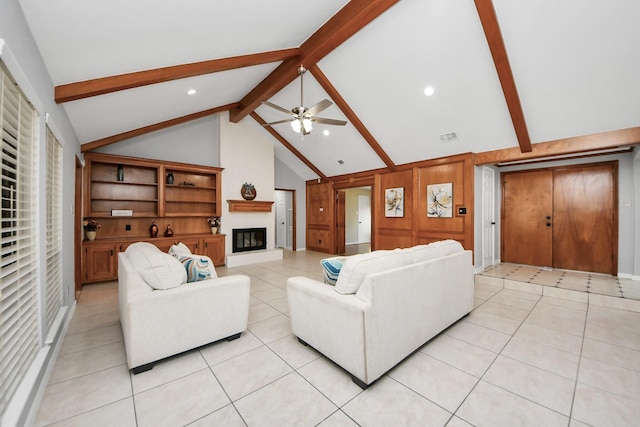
{"x": 77, "y": 228}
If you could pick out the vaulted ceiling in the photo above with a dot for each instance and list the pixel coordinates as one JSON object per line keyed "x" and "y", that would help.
{"x": 512, "y": 79}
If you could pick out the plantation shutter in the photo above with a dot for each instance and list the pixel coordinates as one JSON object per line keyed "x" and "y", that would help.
{"x": 54, "y": 228}
{"x": 19, "y": 321}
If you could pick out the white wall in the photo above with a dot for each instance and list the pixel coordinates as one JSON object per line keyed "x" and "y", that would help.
{"x": 194, "y": 142}
{"x": 246, "y": 154}
{"x": 286, "y": 179}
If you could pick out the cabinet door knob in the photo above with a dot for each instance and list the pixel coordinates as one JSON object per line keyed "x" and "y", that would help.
{"x": 111, "y": 252}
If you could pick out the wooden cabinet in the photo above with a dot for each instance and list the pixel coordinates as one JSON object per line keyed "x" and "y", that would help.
{"x": 213, "y": 247}
{"x": 100, "y": 262}
{"x": 100, "y": 259}
{"x": 127, "y": 194}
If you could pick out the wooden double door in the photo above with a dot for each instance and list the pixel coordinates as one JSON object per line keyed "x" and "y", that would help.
{"x": 562, "y": 218}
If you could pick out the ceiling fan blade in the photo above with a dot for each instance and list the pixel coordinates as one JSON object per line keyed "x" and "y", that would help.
{"x": 312, "y": 111}
{"x": 328, "y": 121}
{"x": 279, "y": 121}
{"x": 277, "y": 107}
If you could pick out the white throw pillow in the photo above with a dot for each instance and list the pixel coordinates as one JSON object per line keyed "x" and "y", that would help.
{"x": 141, "y": 254}
{"x": 356, "y": 267}
{"x": 180, "y": 249}
{"x": 168, "y": 274}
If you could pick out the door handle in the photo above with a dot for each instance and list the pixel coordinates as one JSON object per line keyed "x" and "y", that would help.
{"x": 548, "y": 224}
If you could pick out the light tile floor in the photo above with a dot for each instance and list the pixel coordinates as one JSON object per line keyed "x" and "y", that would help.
{"x": 528, "y": 355}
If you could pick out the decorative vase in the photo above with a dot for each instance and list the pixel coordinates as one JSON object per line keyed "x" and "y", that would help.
{"x": 120, "y": 176}
{"x": 91, "y": 235}
{"x": 170, "y": 178}
{"x": 169, "y": 231}
{"x": 153, "y": 230}
{"x": 214, "y": 230}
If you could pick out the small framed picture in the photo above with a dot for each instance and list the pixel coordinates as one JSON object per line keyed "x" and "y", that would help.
{"x": 440, "y": 200}
{"x": 394, "y": 202}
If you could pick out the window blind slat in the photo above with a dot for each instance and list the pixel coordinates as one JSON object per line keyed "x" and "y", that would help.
{"x": 19, "y": 321}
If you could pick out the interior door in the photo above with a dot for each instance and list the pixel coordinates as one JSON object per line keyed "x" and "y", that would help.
{"x": 364, "y": 219}
{"x": 340, "y": 222}
{"x": 527, "y": 232}
{"x": 584, "y": 201}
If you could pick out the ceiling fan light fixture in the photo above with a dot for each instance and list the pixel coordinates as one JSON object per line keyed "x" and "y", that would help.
{"x": 306, "y": 124}
{"x": 296, "y": 126}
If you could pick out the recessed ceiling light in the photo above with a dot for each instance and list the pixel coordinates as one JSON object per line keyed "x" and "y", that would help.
{"x": 326, "y": 132}
{"x": 429, "y": 90}
{"x": 191, "y": 92}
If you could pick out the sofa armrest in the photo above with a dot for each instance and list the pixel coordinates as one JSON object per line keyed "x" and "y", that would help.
{"x": 330, "y": 322}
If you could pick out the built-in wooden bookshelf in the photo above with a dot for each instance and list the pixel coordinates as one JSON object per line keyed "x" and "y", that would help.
{"x": 127, "y": 194}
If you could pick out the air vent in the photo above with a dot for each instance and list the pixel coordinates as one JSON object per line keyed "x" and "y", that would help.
{"x": 341, "y": 162}
{"x": 446, "y": 137}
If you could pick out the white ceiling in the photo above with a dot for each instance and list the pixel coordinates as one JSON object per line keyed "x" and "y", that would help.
{"x": 575, "y": 63}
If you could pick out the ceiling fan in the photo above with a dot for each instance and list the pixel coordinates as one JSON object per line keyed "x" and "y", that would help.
{"x": 302, "y": 117}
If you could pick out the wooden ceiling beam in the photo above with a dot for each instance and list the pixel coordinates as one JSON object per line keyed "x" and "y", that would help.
{"x": 154, "y": 127}
{"x": 354, "y": 16}
{"x": 288, "y": 146}
{"x": 563, "y": 147}
{"x": 103, "y": 85}
{"x": 493, "y": 34}
{"x": 351, "y": 115}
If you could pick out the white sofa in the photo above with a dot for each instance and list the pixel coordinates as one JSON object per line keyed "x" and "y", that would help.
{"x": 161, "y": 315}
{"x": 384, "y": 306}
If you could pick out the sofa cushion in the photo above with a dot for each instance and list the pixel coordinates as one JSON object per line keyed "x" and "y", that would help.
{"x": 422, "y": 253}
{"x": 331, "y": 269}
{"x": 179, "y": 248}
{"x": 447, "y": 247}
{"x": 356, "y": 267}
{"x": 166, "y": 275}
{"x": 197, "y": 267}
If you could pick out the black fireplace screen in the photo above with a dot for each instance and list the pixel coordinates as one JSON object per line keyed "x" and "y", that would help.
{"x": 249, "y": 239}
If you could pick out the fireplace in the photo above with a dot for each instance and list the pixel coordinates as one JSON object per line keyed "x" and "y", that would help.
{"x": 249, "y": 239}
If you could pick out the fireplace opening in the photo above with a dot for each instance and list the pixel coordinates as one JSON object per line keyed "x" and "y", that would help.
{"x": 249, "y": 239}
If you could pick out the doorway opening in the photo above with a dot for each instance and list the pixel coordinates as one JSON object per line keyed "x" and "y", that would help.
{"x": 285, "y": 219}
{"x": 353, "y": 219}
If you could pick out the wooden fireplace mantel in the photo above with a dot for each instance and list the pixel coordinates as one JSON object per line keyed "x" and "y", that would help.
{"x": 249, "y": 206}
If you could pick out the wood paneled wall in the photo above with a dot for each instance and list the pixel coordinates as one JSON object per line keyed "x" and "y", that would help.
{"x": 320, "y": 217}
{"x": 398, "y": 232}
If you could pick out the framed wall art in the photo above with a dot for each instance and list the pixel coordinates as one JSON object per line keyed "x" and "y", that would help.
{"x": 440, "y": 200}
{"x": 394, "y": 202}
